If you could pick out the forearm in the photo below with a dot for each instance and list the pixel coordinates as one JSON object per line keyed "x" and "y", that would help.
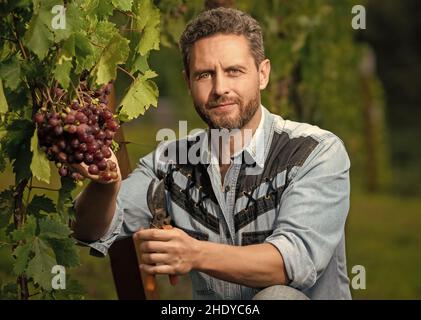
{"x": 256, "y": 266}
{"x": 95, "y": 209}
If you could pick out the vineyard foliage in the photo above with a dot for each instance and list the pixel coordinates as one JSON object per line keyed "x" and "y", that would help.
{"x": 45, "y": 45}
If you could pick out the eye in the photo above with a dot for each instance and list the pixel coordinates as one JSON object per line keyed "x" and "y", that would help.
{"x": 204, "y": 75}
{"x": 234, "y": 72}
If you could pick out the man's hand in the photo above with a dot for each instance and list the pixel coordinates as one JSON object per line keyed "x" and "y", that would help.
{"x": 167, "y": 251}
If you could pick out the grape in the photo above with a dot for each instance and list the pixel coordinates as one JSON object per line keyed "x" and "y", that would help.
{"x": 112, "y": 125}
{"x": 98, "y": 156}
{"x": 93, "y": 169}
{"x": 83, "y": 147}
{"x": 71, "y": 129}
{"x": 106, "y": 176}
{"x": 89, "y": 158}
{"x": 58, "y": 130}
{"x": 90, "y": 138}
{"x": 100, "y": 135}
{"x": 53, "y": 122}
{"x": 107, "y": 114}
{"x": 75, "y": 105}
{"x": 102, "y": 165}
{"x": 62, "y": 144}
{"x": 70, "y": 119}
{"x": 71, "y": 159}
{"x": 78, "y": 157}
{"x": 39, "y": 118}
{"x": 92, "y": 147}
{"x": 109, "y": 134}
{"x": 63, "y": 171}
{"x": 78, "y": 130}
{"x": 55, "y": 149}
{"x": 75, "y": 143}
{"x": 106, "y": 152}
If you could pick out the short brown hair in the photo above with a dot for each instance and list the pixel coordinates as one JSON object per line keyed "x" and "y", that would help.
{"x": 225, "y": 21}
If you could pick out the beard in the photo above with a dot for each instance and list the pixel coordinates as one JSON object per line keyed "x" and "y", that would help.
{"x": 220, "y": 120}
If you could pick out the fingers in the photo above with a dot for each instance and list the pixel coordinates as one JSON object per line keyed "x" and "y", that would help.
{"x": 154, "y": 234}
{"x": 153, "y": 246}
{"x": 154, "y": 258}
{"x": 161, "y": 269}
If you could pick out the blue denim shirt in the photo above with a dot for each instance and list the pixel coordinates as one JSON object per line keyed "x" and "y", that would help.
{"x": 292, "y": 192}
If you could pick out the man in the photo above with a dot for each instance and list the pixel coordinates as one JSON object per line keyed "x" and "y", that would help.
{"x": 270, "y": 215}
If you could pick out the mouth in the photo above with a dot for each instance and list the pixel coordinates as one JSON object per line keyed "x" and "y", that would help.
{"x": 223, "y": 106}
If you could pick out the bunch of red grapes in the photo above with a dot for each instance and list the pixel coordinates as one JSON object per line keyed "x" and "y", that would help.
{"x": 79, "y": 132}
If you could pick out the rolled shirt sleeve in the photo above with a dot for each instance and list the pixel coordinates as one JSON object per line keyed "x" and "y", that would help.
{"x": 132, "y": 212}
{"x": 312, "y": 213}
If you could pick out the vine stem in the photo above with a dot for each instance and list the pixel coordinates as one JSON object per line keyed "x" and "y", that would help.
{"x": 126, "y": 72}
{"x": 15, "y": 33}
{"x": 19, "y": 219}
{"x": 43, "y": 188}
{"x": 77, "y": 93}
{"x": 29, "y": 192}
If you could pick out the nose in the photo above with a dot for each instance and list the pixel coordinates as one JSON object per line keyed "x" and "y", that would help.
{"x": 220, "y": 85}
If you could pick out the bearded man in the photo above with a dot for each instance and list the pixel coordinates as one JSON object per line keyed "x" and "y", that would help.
{"x": 258, "y": 215}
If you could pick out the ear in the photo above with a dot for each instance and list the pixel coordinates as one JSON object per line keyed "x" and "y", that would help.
{"x": 187, "y": 79}
{"x": 264, "y": 73}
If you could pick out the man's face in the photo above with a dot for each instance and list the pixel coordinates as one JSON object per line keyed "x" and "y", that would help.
{"x": 224, "y": 81}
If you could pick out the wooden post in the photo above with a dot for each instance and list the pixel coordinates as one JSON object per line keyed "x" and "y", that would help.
{"x": 125, "y": 269}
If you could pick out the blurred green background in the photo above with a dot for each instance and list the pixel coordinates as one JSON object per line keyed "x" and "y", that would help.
{"x": 361, "y": 84}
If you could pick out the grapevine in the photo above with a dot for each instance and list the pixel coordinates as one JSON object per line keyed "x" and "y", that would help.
{"x": 60, "y": 62}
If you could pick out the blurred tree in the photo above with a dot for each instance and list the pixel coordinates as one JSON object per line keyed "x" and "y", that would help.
{"x": 393, "y": 29}
{"x": 320, "y": 73}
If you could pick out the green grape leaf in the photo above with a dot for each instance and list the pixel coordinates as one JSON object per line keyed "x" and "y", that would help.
{"x": 27, "y": 232}
{"x": 40, "y": 166}
{"x": 64, "y": 202}
{"x": 38, "y": 37}
{"x": 105, "y": 8}
{"x": 100, "y": 8}
{"x": 149, "y": 25}
{"x": 51, "y": 229}
{"x": 124, "y": 5}
{"x": 114, "y": 54}
{"x": 39, "y": 268}
{"x": 40, "y": 203}
{"x": 150, "y": 40}
{"x": 83, "y": 50}
{"x": 7, "y": 203}
{"x": 3, "y": 102}
{"x": 17, "y": 147}
{"x": 10, "y": 72}
{"x": 74, "y": 290}
{"x": 140, "y": 64}
{"x": 62, "y": 71}
{"x": 73, "y": 22}
{"x": 22, "y": 255}
{"x": 9, "y": 291}
{"x": 66, "y": 252}
{"x": 141, "y": 95}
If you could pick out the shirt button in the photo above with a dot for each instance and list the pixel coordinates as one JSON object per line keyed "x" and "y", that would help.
{"x": 227, "y": 188}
